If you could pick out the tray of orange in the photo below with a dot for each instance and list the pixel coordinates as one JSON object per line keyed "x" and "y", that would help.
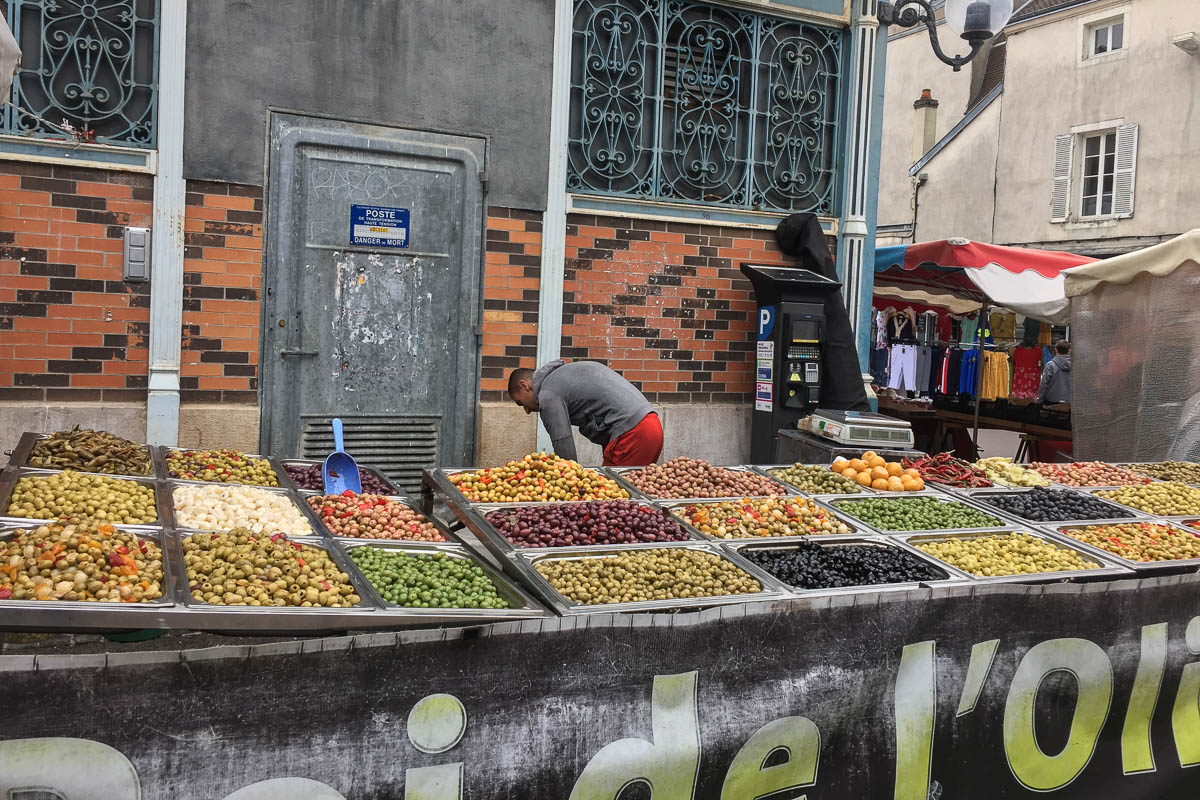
{"x": 876, "y": 472}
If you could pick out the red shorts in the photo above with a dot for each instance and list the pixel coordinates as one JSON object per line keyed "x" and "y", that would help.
{"x": 639, "y": 447}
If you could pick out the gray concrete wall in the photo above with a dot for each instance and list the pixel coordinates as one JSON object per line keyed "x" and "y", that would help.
{"x": 719, "y": 434}
{"x": 466, "y": 65}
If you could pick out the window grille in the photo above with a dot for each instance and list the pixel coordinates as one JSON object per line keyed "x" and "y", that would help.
{"x": 90, "y": 63}
{"x": 698, "y": 103}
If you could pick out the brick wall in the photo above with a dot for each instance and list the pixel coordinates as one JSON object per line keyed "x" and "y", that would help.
{"x": 665, "y": 304}
{"x": 70, "y": 328}
{"x": 222, "y": 285}
{"x": 511, "y": 277}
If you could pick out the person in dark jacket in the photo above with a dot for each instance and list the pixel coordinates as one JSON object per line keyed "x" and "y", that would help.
{"x": 1056, "y": 377}
{"x": 608, "y": 410}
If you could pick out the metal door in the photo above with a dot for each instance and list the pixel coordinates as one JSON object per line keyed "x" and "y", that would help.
{"x": 384, "y": 337}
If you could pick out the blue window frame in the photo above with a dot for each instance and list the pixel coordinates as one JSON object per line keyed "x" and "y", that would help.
{"x": 90, "y": 63}
{"x": 694, "y": 102}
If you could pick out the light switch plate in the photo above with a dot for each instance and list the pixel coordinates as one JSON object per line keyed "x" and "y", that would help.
{"x": 137, "y": 255}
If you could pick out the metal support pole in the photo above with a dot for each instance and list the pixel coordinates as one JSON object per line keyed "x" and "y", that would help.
{"x": 983, "y": 315}
{"x": 166, "y": 269}
{"x": 554, "y": 221}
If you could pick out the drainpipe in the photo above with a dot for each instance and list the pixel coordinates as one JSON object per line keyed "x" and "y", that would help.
{"x": 166, "y": 268}
{"x": 554, "y": 221}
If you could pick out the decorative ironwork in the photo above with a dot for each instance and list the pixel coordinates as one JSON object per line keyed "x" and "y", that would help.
{"x": 91, "y": 64}
{"x": 694, "y": 102}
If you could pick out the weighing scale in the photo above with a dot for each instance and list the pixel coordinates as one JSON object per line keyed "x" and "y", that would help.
{"x": 864, "y": 429}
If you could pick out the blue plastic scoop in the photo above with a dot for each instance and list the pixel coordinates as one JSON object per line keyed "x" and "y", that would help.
{"x": 340, "y": 471}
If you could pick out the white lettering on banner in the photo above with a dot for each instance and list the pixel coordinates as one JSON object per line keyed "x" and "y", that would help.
{"x": 286, "y": 789}
{"x": 78, "y": 769}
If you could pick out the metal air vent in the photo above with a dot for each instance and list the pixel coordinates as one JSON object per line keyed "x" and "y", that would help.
{"x": 400, "y": 446}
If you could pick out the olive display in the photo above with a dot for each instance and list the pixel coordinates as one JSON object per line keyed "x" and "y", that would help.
{"x": 243, "y": 568}
{"x": 812, "y": 566}
{"x": 1139, "y": 541}
{"x": 1181, "y": 471}
{"x": 636, "y": 576}
{"x": 606, "y": 522}
{"x": 221, "y": 508}
{"x": 537, "y": 478}
{"x": 73, "y": 494}
{"x": 86, "y": 450}
{"x": 1005, "y": 554}
{"x": 816, "y": 480}
{"x": 423, "y": 580}
{"x": 1053, "y": 505}
{"x": 690, "y": 477}
{"x": 372, "y": 516}
{"x": 915, "y": 514}
{"x": 311, "y": 478}
{"x": 1003, "y": 472}
{"x": 1088, "y": 473}
{"x": 1168, "y": 499}
{"x": 220, "y": 466}
{"x": 85, "y": 561}
{"x": 760, "y": 517}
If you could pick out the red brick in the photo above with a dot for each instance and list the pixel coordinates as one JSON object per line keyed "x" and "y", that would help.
{"x": 23, "y": 338}
{"x": 671, "y": 238}
{"x": 103, "y": 189}
{"x": 75, "y": 339}
{"x": 99, "y": 381}
{"x": 228, "y": 202}
{"x": 499, "y": 224}
{"x": 36, "y": 324}
{"x": 26, "y": 197}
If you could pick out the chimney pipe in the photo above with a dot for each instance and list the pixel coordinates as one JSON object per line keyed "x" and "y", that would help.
{"x": 925, "y": 125}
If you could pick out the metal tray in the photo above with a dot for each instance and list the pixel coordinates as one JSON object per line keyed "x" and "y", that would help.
{"x": 982, "y": 503}
{"x": 366, "y": 602}
{"x": 282, "y": 465}
{"x": 1131, "y": 509}
{"x": 1105, "y": 567}
{"x": 7, "y": 531}
{"x": 765, "y": 471}
{"x": 618, "y": 474}
{"x": 173, "y": 484}
{"x": 1128, "y": 466}
{"x": 160, "y": 455}
{"x": 9, "y": 484}
{"x": 502, "y": 548}
{"x": 323, "y": 529}
{"x": 521, "y": 603}
{"x": 1058, "y": 485}
{"x": 24, "y": 449}
{"x": 771, "y": 588}
{"x": 438, "y": 481}
{"x": 953, "y": 577}
{"x": 1060, "y": 530}
{"x": 670, "y": 507}
{"x": 836, "y": 502}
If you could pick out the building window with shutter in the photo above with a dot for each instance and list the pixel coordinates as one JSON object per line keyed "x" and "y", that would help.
{"x": 1094, "y": 174}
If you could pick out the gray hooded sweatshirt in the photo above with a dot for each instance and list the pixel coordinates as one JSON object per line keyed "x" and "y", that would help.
{"x": 1056, "y": 381}
{"x": 589, "y": 395}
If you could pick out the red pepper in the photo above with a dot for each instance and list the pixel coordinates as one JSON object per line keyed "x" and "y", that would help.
{"x": 325, "y": 585}
{"x": 115, "y": 559}
{"x": 5, "y": 593}
{"x": 327, "y": 511}
{"x": 347, "y": 493}
{"x": 300, "y": 561}
{"x": 123, "y": 550}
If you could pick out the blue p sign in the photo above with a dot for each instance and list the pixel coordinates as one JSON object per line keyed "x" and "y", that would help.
{"x": 766, "y": 322}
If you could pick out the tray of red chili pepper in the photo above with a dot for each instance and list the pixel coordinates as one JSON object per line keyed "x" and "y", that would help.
{"x": 944, "y": 469}
{"x": 373, "y": 516}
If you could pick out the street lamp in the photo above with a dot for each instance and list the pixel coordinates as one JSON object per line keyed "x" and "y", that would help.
{"x": 975, "y": 21}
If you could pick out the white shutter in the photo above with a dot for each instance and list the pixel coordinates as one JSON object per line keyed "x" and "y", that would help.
{"x": 1060, "y": 200}
{"x": 1126, "y": 175}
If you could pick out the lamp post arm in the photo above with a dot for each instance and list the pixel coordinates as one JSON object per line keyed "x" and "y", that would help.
{"x": 908, "y": 14}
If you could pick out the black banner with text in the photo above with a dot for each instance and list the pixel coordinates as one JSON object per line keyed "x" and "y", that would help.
{"x": 1088, "y": 691}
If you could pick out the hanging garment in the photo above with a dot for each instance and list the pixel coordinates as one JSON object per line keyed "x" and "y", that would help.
{"x": 880, "y": 326}
{"x": 945, "y": 328}
{"x": 996, "y": 375}
{"x": 937, "y": 369}
{"x": 953, "y": 371}
{"x": 1004, "y": 326}
{"x": 970, "y": 328}
{"x": 924, "y": 364}
{"x": 1031, "y": 331}
{"x": 900, "y": 330}
{"x": 879, "y": 366}
{"x": 1045, "y": 335}
{"x": 968, "y": 372}
{"x": 1027, "y": 372}
{"x": 904, "y": 368}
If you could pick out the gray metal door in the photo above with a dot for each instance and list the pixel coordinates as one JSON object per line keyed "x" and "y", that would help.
{"x": 384, "y": 337}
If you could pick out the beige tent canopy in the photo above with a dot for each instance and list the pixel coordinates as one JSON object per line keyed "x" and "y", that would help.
{"x": 1135, "y": 329}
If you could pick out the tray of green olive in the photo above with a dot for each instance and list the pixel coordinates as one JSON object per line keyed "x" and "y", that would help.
{"x": 648, "y": 577}
{"x": 1012, "y": 556}
{"x": 37, "y": 495}
{"x": 221, "y": 466}
{"x": 1143, "y": 545}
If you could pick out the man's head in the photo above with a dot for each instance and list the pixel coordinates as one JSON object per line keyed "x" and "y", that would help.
{"x": 1063, "y": 347}
{"x": 520, "y": 389}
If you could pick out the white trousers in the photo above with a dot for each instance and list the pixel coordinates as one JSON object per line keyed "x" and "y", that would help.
{"x": 904, "y": 368}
